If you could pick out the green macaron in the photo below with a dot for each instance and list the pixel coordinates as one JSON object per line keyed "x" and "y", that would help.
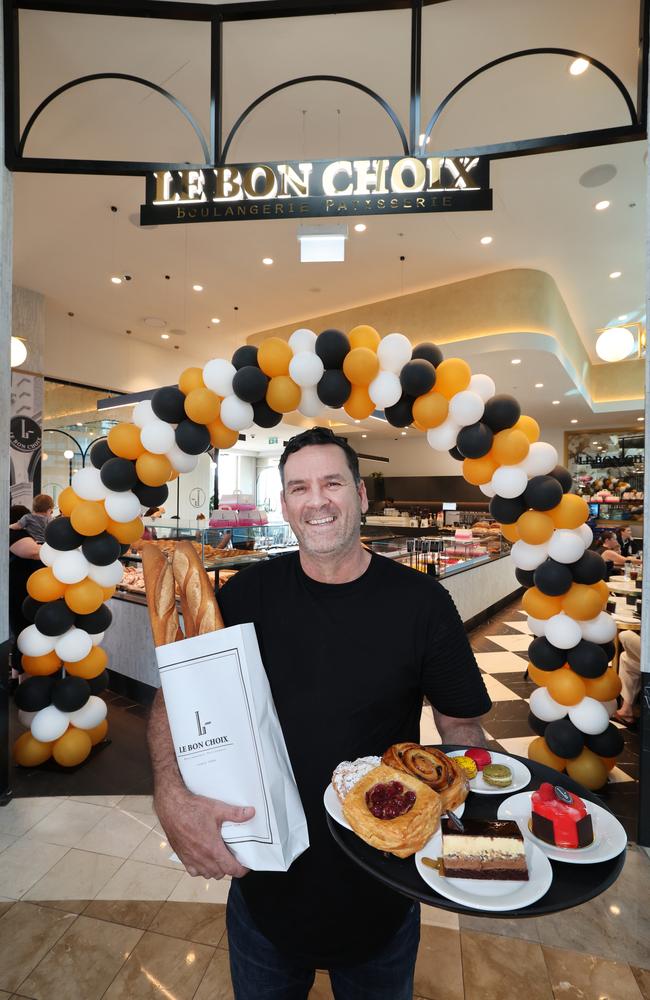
{"x": 497, "y": 774}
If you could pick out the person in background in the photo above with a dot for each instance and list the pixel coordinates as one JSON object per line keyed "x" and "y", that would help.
{"x": 607, "y": 546}
{"x": 626, "y": 542}
{"x": 150, "y": 534}
{"x": 629, "y": 669}
{"x": 23, "y": 561}
{"x": 36, "y": 522}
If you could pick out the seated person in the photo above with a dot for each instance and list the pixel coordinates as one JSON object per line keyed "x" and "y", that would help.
{"x": 629, "y": 669}
{"x": 607, "y": 546}
{"x": 36, "y": 522}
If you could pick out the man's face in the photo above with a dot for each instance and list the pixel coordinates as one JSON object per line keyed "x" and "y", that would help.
{"x": 321, "y": 501}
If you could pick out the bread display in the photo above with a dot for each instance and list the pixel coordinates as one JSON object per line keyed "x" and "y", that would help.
{"x": 430, "y": 765}
{"x": 211, "y": 553}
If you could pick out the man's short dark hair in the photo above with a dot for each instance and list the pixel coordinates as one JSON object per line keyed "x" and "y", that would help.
{"x": 318, "y": 436}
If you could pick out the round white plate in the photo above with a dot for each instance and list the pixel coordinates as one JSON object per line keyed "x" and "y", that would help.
{"x": 335, "y": 809}
{"x": 520, "y": 775}
{"x": 610, "y": 837}
{"x": 488, "y": 894}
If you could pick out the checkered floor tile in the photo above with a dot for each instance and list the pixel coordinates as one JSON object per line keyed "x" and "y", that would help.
{"x": 513, "y": 643}
{"x": 501, "y": 663}
{"x": 519, "y": 626}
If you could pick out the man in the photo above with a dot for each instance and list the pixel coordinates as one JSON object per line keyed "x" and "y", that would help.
{"x": 607, "y": 546}
{"x": 351, "y": 643}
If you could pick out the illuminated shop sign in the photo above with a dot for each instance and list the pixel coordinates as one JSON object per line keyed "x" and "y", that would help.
{"x": 408, "y": 185}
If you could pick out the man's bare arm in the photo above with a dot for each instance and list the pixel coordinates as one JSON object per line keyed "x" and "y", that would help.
{"x": 466, "y": 731}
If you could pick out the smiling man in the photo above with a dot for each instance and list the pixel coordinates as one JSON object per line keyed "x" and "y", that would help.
{"x": 351, "y": 643}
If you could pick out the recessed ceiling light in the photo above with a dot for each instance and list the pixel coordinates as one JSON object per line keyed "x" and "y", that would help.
{"x": 69, "y": 454}
{"x": 594, "y": 442}
{"x": 267, "y": 260}
{"x": 360, "y": 227}
{"x": 79, "y": 424}
{"x": 116, "y": 280}
{"x": 515, "y": 361}
{"x": 600, "y": 206}
{"x": 197, "y": 288}
{"x": 155, "y": 322}
{"x": 486, "y": 240}
{"x": 578, "y": 66}
{"x": 364, "y": 435}
{"x": 164, "y": 336}
{"x": 357, "y": 421}
{"x": 640, "y": 418}
{"x": 556, "y": 402}
{"x": 403, "y": 433}
{"x": 215, "y": 320}
{"x": 574, "y": 421}
{"x": 615, "y": 274}
{"x": 539, "y": 385}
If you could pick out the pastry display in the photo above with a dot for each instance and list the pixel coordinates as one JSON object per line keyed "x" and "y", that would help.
{"x": 428, "y": 764}
{"x": 349, "y": 772}
{"x": 468, "y": 765}
{"x": 480, "y": 756}
{"x": 486, "y": 849}
{"x": 499, "y": 775}
{"x": 392, "y": 811}
{"x": 560, "y": 818}
{"x": 211, "y": 553}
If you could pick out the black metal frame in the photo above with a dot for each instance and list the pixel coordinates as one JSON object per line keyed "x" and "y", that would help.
{"x": 215, "y": 16}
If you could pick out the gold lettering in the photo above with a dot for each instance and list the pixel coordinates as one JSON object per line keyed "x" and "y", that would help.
{"x": 370, "y": 181}
{"x": 420, "y": 202}
{"x": 195, "y": 184}
{"x": 329, "y": 174}
{"x": 329, "y": 203}
{"x": 205, "y": 212}
{"x": 191, "y": 213}
{"x": 266, "y": 209}
{"x": 416, "y": 167}
{"x": 381, "y": 203}
{"x": 342, "y": 206}
{"x": 279, "y": 209}
{"x": 254, "y": 210}
{"x": 241, "y": 210}
{"x": 394, "y": 203}
{"x": 251, "y": 177}
{"x": 163, "y": 186}
{"x": 446, "y": 201}
{"x": 180, "y": 213}
{"x": 289, "y": 178}
{"x": 304, "y": 208}
{"x": 434, "y": 167}
{"x": 228, "y": 184}
{"x": 229, "y": 212}
{"x": 407, "y": 204}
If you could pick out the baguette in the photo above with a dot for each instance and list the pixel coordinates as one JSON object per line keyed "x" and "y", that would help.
{"x": 199, "y": 606}
{"x": 161, "y": 596}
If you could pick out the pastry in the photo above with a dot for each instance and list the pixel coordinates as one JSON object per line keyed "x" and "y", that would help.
{"x": 499, "y": 775}
{"x": 392, "y": 811}
{"x": 560, "y": 818}
{"x": 485, "y": 849}
{"x": 199, "y": 606}
{"x": 434, "y": 768}
{"x": 349, "y": 772}
{"x": 161, "y": 596}
{"x": 468, "y": 765}
{"x": 480, "y": 756}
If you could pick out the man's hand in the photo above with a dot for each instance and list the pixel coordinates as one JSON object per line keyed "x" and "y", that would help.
{"x": 192, "y": 824}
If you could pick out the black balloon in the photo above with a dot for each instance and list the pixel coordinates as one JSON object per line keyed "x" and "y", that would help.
{"x": 334, "y": 389}
{"x": 564, "y": 739}
{"x": 119, "y": 474}
{"x": 587, "y": 659}
{"x": 526, "y": 577}
{"x": 537, "y": 725}
{"x": 455, "y": 453}
{"x": 124, "y": 549}
{"x": 563, "y": 477}
{"x": 60, "y": 534}
{"x": 542, "y": 493}
{"x": 244, "y": 356}
{"x": 417, "y": 377}
{"x": 192, "y": 438}
{"x": 428, "y": 352}
{"x": 100, "y": 453}
{"x": 168, "y": 404}
{"x": 501, "y": 412}
{"x": 264, "y": 416}
{"x": 250, "y": 384}
{"x": 34, "y": 694}
{"x": 30, "y": 607}
{"x": 609, "y": 650}
{"x": 475, "y": 440}
{"x": 332, "y": 347}
{"x": 607, "y": 744}
{"x": 97, "y": 621}
{"x": 99, "y": 683}
{"x": 589, "y": 568}
{"x": 507, "y": 511}
{"x": 54, "y": 618}
{"x": 545, "y": 656}
{"x": 101, "y": 550}
{"x": 70, "y": 693}
{"x": 553, "y": 578}
{"x": 151, "y": 496}
{"x": 401, "y": 413}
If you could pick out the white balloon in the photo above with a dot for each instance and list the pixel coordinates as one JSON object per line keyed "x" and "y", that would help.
{"x": 540, "y": 460}
{"x": 443, "y": 437}
{"x": 47, "y": 554}
{"x": 483, "y": 386}
{"x": 122, "y": 507}
{"x": 528, "y": 557}
{"x": 589, "y": 716}
{"x": 600, "y": 629}
{"x": 31, "y": 642}
{"x": 509, "y": 481}
{"x": 158, "y": 437}
{"x": 236, "y": 414}
{"x": 143, "y": 413}
{"x": 544, "y": 707}
{"x": 394, "y": 352}
{"x": 487, "y": 490}
{"x": 106, "y": 576}
{"x": 49, "y": 724}
{"x": 563, "y": 631}
{"x": 310, "y": 404}
{"x": 466, "y": 407}
{"x": 181, "y": 461}
{"x": 566, "y": 545}
{"x": 90, "y": 714}
{"x": 306, "y": 369}
{"x": 302, "y": 340}
{"x": 73, "y": 645}
{"x": 584, "y": 531}
{"x": 385, "y": 390}
{"x": 96, "y": 638}
{"x": 88, "y": 485}
{"x": 536, "y": 625}
{"x": 70, "y": 567}
{"x": 218, "y": 375}
{"x": 26, "y": 718}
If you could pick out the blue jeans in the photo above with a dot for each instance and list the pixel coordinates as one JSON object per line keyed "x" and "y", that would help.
{"x": 260, "y": 972}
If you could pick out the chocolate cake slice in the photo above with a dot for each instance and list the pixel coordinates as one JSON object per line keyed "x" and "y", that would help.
{"x": 487, "y": 849}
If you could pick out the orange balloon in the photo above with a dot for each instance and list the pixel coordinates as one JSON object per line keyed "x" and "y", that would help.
{"x": 510, "y": 447}
{"x": 418, "y": 426}
{"x": 364, "y": 336}
{"x": 222, "y": 436}
{"x": 282, "y": 394}
{"x": 539, "y": 605}
{"x": 89, "y": 517}
{"x": 510, "y": 532}
{"x": 108, "y": 592}
{"x": 605, "y": 687}
{"x": 41, "y": 666}
{"x": 529, "y": 427}
{"x": 571, "y": 512}
{"x": 202, "y": 405}
{"x": 84, "y": 597}
{"x": 602, "y": 589}
{"x": 359, "y": 404}
{"x": 431, "y": 409}
{"x": 98, "y": 733}
{"x": 588, "y": 769}
{"x": 124, "y": 441}
{"x": 29, "y": 752}
{"x": 91, "y": 666}
{"x": 582, "y": 602}
{"x": 538, "y": 676}
{"x": 72, "y": 748}
{"x": 153, "y": 470}
{"x": 126, "y": 531}
{"x": 44, "y": 586}
{"x": 274, "y": 356}
{"x": 535, "y": 527}
{"x": 452, "y": 376}
{"x": 361, "y": 366}
{"x": 173, "y": 475}
{"x": 478, "y": 471}
{"x": 67, "y": 501}
{"x": 609, "y": 762}
{"x": 539, "y": 752}
{"x": 566, "y": 687}
{"x": 191, "y": 378}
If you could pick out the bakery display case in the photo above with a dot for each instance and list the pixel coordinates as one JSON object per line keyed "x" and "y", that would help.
{"x": 441, "y": 554}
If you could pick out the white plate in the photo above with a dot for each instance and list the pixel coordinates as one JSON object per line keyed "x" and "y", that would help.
{"x": 520, "y": 775}
{"x": 488, "y": 894}
{"x": 335, "y": 809}
{"x": 610, "y": 837}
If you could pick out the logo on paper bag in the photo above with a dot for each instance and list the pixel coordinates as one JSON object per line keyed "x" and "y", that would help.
{"x": 200, "y": 744}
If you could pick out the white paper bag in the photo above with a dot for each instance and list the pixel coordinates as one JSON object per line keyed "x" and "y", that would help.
{"x": 229, "y": 744}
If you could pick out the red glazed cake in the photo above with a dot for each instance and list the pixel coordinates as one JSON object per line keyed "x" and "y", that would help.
{"x": 560, "y": 818}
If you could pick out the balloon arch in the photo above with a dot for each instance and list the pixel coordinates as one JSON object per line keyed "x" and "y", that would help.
{"x": 500, "y": 452}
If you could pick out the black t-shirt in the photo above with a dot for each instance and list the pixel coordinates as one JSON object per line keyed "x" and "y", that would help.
{"x": 348, "y": 665}
{"x": 20, "y": 570}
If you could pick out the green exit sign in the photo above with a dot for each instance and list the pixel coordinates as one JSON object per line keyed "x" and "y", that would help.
{"x": 273, "y": 440}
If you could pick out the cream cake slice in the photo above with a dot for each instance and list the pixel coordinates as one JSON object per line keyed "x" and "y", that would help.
{"x": 486, "y": 849}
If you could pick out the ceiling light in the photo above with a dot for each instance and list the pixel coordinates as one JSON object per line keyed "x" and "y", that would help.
{"x": 18, "y": 352}
{"x": 164, "y": 336}
{"x": 600, "y": 206}
{"x": 516, "y": 361}
{"x": 322, "y": 244}
{"x": 360, "y": 227}
{"x": 116, "y": 280}
{"x": 79, "y": 424}
{"x": 364, "y": 435}
{"x": 615, "y": 344}
{"x": 574, "y": 421}
{"x": 197, "y": 288}
{"x": 539, "y": 385}
{"x": 357, "y": 421}
{"x": 556, "y": 402}
{"x": 68, "y": 453}
{"x": 403, "y": 433}
{"x": 640, "y": 418}
{"x": 594, "y": 442}
{"x": 578, "y": 66}
{"x": 215, "y": 320}
{"x": 44, "y": 456}
{"x": 423, "y": 140}
{"x": 615, "y": 274}
{"x": 155, "y": 322}
{"x": 486, "y": 240}
{"x": 267, "y": 260}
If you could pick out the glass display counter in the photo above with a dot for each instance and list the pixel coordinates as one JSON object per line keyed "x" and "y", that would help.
{"x": 440, "y": 555}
